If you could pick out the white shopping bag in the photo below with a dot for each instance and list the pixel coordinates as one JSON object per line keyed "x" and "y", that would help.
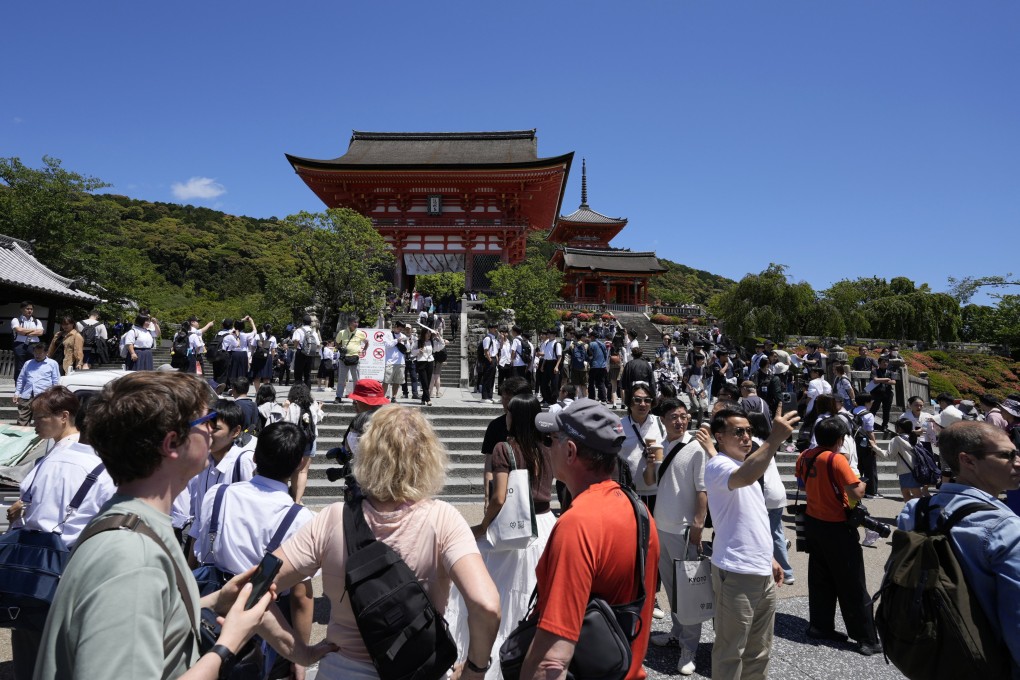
{"x": 515, "y": 526}
{"x": 692, "y": 586}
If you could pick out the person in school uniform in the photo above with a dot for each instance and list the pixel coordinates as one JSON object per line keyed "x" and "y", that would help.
{"x": 326, "y": 372}
{"x": 303, "y": 362}
{"x": 263, "y": 357}
{"x": 221, "y": 357}
{"x": 27, "y": 331}
{"x": 253, "y": 513}
{"x": 138, "y": 342}
{"x": 49, "y": 494}
{"x": 239, "y": 392}
{"x": 284, "y": 361}
{"x": 239, "y": 348}
{"x": 222, "y": 467}
{"x": 196, "y": 346}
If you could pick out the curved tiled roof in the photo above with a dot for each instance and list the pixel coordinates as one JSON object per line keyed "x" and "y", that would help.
{"x": 442, "y": 149}
{"x": 19, "y": 268}
{"x": 610, "y": 260}
{"x": 586, "y": 215}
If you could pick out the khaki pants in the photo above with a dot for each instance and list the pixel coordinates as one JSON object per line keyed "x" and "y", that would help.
{"x": 745, "y": 614}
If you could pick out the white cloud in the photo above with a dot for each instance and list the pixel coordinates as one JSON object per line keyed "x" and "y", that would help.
{"x": 197, "y": 187}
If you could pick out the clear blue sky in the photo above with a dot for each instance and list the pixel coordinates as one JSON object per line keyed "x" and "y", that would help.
{"x": 731, "y": 134}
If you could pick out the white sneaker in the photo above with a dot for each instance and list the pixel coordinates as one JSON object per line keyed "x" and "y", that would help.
{"x": 789, "y": 581}
{"x": 686, "y": 664}
{"x": 870, "y": 538}
{"x": 657, "y": 613}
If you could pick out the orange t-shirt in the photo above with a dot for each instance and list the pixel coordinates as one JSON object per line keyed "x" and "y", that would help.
{"x": 593, "y": 550}
{"x": 821, "y": 488}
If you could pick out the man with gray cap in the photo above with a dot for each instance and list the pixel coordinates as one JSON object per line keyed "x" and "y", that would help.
{"x": 593, "y": 548}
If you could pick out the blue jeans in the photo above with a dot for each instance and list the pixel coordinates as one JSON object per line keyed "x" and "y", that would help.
{"x": 779, "y": 542}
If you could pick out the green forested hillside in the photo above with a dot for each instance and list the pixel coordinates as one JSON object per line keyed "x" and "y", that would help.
{"x": 680, "y": 283}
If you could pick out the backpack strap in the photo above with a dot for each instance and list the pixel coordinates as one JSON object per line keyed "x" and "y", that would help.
{"x": 83, "y": 490}
{"x": 943, "y": 525}
{"x": 357, "y": 535}
{"x": 669, "y": 459}
{"x": 236, "y": 474}
{"x": 214, "y": 521}
{"x": 284, "y": 527}
{"x": 132, "y": 522}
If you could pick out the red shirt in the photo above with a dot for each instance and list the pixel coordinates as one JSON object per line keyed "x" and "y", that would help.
{"x": 593, "y": 550}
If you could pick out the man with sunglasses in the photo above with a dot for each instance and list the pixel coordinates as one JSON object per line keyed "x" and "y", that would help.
{"x": 744, "y": 573}
{"x": 593, "y": 548}
{"x": 986, "y": 542}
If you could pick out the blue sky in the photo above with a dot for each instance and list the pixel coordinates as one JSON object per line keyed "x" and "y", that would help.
{"x": 841, "y": 138}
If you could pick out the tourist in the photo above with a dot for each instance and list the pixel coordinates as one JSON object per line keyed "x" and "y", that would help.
{"x": 993, "y": 413}
{"x": 862, "y": 362}
{"x": 400, "y": 466}
{"x": 680, "y": 513}
{"x": 138, "y": 343}
{"x": 284, "y": 361}
{"x": 901, "y": 450}
{"x": 759, "y": 353}
{"x": 37, "y": 375}
{"x": 221, "y": 357}
{"x": 196, "y": 345}
{"x": 351, "y": 345}
{"x": 325, "y": 374}
{"x": 984, "y": 463}
{"x": 644, "y": 434}
{"x": 577, "y": 355}
{"x": 395, "y": 346}
{"x": 884, "y": 382}
{"x": 817, "y": 387}
{"x": 27, "y": 332}
{"x": 439, "y": 358}
{"x": 487, "y": 361}
{"x": 504, "y": 362}
{"x": 744, "y": 574}
{"x": 152, "y": 432}
{"x": 549, "y": 368}
{"x": 599, "y": 367}
{"x": 513, "y": 571}
{"x": 496, "y": 431}
{"x": 634, "y": 371}
{"x": 94, "y": 334}
{"x": 306, "y": 342}
{"x": 263, "y": 357}
{"x": 67, "y": 347}
{"x": 583, "y": 444}
{"x": 411, "y": 366}
{"x": 424, "y": 360}
{"x": 303, "y": 411}
{"x": 693, "y": 383}
{"x": 835, "y": 561}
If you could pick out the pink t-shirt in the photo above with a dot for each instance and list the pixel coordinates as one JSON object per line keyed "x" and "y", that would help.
{"x": 429, "y": 535}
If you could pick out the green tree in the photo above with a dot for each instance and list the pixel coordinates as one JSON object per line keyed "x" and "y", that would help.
{"x": 766, "y": 304}
{"x": 682, "y": 284}
{"x": 529, "y": 288}
{"x": 55, "y": 209}
{"x": 341, "y": 261}
{"x": 441, "y": 285}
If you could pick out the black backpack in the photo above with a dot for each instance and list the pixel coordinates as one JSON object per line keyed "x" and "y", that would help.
{"x": 404, "y": 634}
{"x": 857, "y": 429}
{"x": 526, "y": 352}
{"x": 88, "y": 334}
{"x": 179, "y": 351}
{"x": 931, "y": 625}
{"x": 212, "y": 350}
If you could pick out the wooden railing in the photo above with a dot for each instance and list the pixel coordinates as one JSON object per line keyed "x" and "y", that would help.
{"x": 7, "y": 364}
{"x": 600, "y": 307}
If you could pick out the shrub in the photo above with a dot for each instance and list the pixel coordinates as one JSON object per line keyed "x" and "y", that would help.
{"x": 584, "y": 317}
{"x": 661, "y": 319}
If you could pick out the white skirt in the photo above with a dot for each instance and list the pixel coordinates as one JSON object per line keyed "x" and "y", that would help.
{"x": 513, "y": 572}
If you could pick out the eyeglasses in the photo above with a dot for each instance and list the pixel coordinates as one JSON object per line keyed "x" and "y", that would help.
{"x": 549, "y": 438}
{"x": 1003, "y": 455}
{"x": 740, "y": 432}
{"x": 211, "y": 415}
{"x": 641, "y": 400}
{"x": 678, "y": 416}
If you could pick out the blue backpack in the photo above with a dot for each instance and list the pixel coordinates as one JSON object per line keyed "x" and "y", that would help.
{"x": 578, "y": 355}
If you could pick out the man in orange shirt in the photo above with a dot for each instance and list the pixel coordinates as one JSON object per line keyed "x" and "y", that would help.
{"x": 593, "y": 548}
{"x": 835, "y": 560}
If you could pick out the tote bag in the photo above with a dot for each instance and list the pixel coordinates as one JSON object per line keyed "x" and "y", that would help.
{"x": 515, "y": 526}
{"x": 692, "y": 588}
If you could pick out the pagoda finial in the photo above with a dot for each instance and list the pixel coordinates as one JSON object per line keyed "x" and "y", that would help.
{"x": 584, "y": 183}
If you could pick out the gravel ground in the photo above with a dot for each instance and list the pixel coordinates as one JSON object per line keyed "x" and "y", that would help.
{"x": 793, "y": 655}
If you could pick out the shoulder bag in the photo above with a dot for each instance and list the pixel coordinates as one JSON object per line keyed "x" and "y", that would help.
{"x": 603, "y": 649}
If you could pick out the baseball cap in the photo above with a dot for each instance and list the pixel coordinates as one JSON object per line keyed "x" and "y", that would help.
{"x": 949, "y": 415}
{"x": 588, "y": 422}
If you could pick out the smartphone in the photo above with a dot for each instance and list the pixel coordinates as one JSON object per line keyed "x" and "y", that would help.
{"x": 263, "y": 577}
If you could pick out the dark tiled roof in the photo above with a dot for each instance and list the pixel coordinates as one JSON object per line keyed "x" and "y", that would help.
{"x": 586, "y": 215}
{"x": 19, "y": 268}
{"x": 443, "y": 149}
{"x": 610, "y": 260}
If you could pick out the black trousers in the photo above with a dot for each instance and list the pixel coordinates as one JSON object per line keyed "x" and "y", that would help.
{"x": 836, "y": 574}
{"x": 597, "y": 383}
{"x": 868, "y": 465}
{"x": 884, "y": 400}
{"x": 425, "y": 370}
{"x": 550, "y": 382}
{"x": 303, "y": 368}
{"x": 487, "y": 377}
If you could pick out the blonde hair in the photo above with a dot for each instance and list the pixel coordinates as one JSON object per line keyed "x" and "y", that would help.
{"x": 400, "y": 457}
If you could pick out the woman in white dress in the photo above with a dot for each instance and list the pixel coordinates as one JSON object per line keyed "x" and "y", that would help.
{"x": 513, "y": 571}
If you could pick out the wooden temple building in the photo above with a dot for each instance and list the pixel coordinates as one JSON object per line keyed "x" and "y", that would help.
{"x": 465, "y": 202}
{"x": 593, "y": 272}
{"x": 445, "y": 201}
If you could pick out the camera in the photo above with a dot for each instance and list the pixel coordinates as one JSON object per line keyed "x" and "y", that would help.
{"x": 858, "y": 516}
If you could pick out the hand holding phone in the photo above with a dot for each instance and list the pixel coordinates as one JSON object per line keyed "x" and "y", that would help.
{"x": 263, "y": 577}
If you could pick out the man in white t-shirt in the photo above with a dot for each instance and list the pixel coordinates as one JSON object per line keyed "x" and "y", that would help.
{"x": 817, "y": 387}
{"x": 680, "y": 513}
{"x": 744, "y": 573}
{"x": 396, "y": 348}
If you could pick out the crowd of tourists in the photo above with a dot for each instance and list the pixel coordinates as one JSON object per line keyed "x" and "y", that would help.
{"x": 203, "y": 485}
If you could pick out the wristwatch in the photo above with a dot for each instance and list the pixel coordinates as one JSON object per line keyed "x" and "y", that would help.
{"x": 478, "y": 669}
{"x": 227, "y": 658}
